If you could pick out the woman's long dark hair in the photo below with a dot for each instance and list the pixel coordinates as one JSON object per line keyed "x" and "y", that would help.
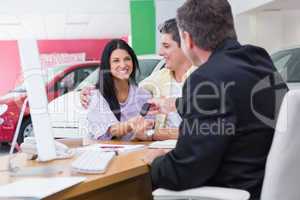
{"x": 105, "y": 83}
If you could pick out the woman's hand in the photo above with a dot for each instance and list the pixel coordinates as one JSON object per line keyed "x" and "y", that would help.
{"x": 85, "y": 95}
{"x": 120, "y": 129}
{"x": 139, "y": 126}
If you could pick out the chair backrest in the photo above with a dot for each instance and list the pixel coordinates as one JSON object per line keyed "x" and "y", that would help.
{"x": 282, "y": 178}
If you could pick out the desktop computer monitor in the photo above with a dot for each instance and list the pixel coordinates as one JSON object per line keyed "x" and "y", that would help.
{"x": 37, "y": 98}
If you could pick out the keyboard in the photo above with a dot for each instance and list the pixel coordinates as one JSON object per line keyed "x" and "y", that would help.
{"x": 92, "y": 162}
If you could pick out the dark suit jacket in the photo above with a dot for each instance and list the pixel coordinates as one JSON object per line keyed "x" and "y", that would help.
{"x": 228, "y": 109}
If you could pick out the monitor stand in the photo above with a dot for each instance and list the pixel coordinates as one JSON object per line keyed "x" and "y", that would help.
{"x": 27, "y": 171}
{"x": 35, "y": 171}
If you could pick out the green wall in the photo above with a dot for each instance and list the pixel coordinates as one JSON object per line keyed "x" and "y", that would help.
{"x": 143, "y": 26}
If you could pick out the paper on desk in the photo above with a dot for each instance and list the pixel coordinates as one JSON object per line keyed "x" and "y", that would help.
{"x": 166, "y": 144}
{"x": 112, "y": 147}
{"x": 37, "y": 188}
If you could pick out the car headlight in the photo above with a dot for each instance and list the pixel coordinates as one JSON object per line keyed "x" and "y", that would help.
{"x": 3, "y": 108}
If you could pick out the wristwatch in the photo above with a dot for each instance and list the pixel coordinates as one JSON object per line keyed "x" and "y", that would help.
{"x": 150, "y": 132}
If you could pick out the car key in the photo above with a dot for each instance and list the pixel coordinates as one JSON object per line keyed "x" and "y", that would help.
{"x": 144, "y": 110}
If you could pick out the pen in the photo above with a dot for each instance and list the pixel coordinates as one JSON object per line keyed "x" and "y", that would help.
{"x": 111, "y": 147}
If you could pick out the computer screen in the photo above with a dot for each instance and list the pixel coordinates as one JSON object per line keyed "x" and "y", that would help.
{"x": 37, "y": 98}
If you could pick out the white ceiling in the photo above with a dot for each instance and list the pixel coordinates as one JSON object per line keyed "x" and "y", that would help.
{"x": 279, "y": 5}
{"x": 64, "y": 19}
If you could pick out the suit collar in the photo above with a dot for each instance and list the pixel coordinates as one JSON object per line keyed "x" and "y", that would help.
{"x": 227, "y": 44}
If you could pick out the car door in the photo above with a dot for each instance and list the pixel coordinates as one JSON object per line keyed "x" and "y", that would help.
{"x": 67, "y": 115}
{"x": 287, "y": 63}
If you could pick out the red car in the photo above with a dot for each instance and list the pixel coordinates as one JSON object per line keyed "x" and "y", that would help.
{"x": 59, "y": 80}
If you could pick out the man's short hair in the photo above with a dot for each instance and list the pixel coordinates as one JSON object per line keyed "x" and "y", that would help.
{"x": 209, "y": 22}
{"x": 170, "y": 27}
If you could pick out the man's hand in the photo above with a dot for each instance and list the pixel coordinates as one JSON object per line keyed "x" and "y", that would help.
{"x": 85, "y": 95}
{"x": 139, "y": 126}
{"x": 162, "y": 105}
{"x": 151, "y": 154}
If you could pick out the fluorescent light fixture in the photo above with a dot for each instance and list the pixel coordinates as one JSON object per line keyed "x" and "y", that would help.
{"x": 77, "y": 20}
{"x": 10, "y": 24}
{"x": 9, "y": 20}
{"x": 77, "y": 23}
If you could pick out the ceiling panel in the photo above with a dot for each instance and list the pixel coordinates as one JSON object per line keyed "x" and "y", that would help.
{"x": 14, "y": 31}
{"x": 34, "y": 24}
{"x": 99, "y": 6}
{"x": 4, "y": 34}
{"x": 282, "y": 5}
{"x": 64, "y": 19}
{"x": 63, "y": 6}
{"x": 75, "y": 19}
{"x": 75, "y": 31}
{"x": 55, "y": 26}
{"x": 105, "y": 25}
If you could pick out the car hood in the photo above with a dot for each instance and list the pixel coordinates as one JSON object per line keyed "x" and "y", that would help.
{"x": 13, "y": 98}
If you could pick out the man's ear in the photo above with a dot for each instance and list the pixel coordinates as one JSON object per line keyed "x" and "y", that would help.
{"x": 188, "y": 39}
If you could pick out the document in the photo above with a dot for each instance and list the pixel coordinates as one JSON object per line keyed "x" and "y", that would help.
{"x": 166, "y": 144}
{"x": 119, "y": 149}
{"x": 37, "y": 188}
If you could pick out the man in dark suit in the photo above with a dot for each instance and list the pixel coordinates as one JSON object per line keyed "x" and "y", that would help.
{"x": 229, "y": 106}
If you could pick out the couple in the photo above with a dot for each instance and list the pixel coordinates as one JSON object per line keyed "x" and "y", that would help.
{"x": 219, "y": 92}
{"x": 113, "y": 108}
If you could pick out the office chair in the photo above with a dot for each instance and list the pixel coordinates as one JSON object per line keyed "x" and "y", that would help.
{"x": 282, "y": 176}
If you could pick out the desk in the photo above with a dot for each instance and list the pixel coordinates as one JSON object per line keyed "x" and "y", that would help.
{"x": 126, "y": 178}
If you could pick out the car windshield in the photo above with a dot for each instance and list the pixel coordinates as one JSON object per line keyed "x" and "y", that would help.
{"x": 48, "y": 75}
{"x": 146, "y": 68}
{"x": 287, "y": 63}
{"x": 88, "y": 81}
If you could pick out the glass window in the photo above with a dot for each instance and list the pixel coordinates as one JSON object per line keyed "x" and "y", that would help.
{"x": 81, "y": 74}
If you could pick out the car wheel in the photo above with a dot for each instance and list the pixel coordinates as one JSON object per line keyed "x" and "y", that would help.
{"x": 26, "y": 130}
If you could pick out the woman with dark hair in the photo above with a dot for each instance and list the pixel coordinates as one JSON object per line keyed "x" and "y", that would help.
{"x": 116, "y": 102}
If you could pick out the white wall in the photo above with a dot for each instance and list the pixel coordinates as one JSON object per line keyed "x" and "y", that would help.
{"x": 291, "y": 26}
{"x": 240, "y": 6}
{"x": 165, "y": 9}
{"x": 272, "y": 30}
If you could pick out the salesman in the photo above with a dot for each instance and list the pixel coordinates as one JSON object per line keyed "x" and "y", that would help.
{"x": 225, "y": 137}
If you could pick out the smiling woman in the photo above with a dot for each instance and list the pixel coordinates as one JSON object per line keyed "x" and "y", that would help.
{"x": 115, "y": 105}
